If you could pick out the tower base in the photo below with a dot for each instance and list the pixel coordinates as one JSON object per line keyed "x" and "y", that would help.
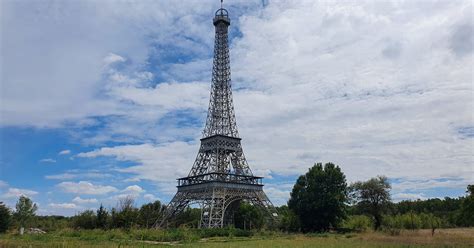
{"x": 218, "y": 201}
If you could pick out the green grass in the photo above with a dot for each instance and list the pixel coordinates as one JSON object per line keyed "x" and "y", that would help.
{"x": 236, "y": 238}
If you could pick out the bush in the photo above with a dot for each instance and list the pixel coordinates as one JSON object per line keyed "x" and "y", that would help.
{"x": 410, "y": 221}
{"x": 289, "y": 221}
{"x": 248, "y": 217}
{"x": 85, "y": 220}
{"x": 358, "y": 223}
{"x": 215, "y": 232}
{"x": 391, "y": 224}
{"x": 150, "y": 213}
{"x": 429, "y": 221}
{"x": 5, "y": 218}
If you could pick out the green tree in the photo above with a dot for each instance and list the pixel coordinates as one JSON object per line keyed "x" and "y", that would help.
{"x": 102, "y": 216}
{"x": 289, "y": 221}
{"x": 372, "y": 197}
{"x": 189, "y": 217}
{"x": 150, "y": 213}
{"x": 126, "y": 214}
{"x": 25, "y": 210}
{"x": 358, "y": 223}
{"x": 470, "y": 190}
{"x": 466, "y": 216}
{"x": 5, "y": 217}
{"x": 248, "y": 217}
{"x": 85, "y": 220}
{"x": 319, "y": 198}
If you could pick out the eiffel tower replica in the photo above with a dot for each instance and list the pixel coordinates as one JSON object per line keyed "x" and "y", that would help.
{"x": 220, "y": 177}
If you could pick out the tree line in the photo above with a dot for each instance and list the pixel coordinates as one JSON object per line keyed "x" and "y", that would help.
{"x": 321, "y": 200}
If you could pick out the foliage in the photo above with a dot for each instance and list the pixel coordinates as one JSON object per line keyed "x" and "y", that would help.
{"x": 85, "y": 220}
{"x": 102, "y": 216}
{"x": 447, "y": 209}
{"x": 185, "y": 237}
{"x": 248, "y": 217}
{"x": 289, "y": 221}
{"x": 411, "y": 221}
{"x": 190, "y": 217}
{"x": 125, "y": 215}
{"x": 25, "y": 210}
{"x": 51, "y": 223}
{"x": 466, "y": 213}
{"x": 150, "y": 213}
{"x": 318, "y": 198}
{"x": 470, "y": 189}
{"x": 372, "y": 197}
{"x": 358, "y": 223}
{"x": 439, "y": 207}
{"x": 5, "y": 218}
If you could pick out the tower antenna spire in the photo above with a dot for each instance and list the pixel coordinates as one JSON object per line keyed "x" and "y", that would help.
{"x": 221, "y": 3}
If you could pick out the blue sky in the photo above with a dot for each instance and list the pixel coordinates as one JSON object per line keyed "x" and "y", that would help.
{"x": 104, "y": 99}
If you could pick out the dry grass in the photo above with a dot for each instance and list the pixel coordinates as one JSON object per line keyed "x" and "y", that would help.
{"x": 456, "y": 237}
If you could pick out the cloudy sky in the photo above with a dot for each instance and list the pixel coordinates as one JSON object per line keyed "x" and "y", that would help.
{"x": 103, "y": 99}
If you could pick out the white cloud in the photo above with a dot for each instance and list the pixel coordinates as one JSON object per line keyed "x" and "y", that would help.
{"x": 430, "y": 184}
{"x": 161, "y": 163}
{"x": 63, "y": 205}
{"x": 376, "y": 88}
{"x": 279, "y": 193}
{"x": 75, "y": 174}
{"x": 113, "y": 58}
{"x": 16, "y": 193}
{"x": 63, "y": 176}
{"x": 79, "y": 200}
{"x": 47, "y": 160}
{"x": 150, "y": 197}
{"x": 132, "y": 179}
{"x": 408, "y": 196}
{"x": 3, "y": 184}
{"x": 64, "y": 152}
{"x": 133, "y": 190}
{"x": 85, "y": 188}
{"x": 65, "y": 93}
{"x": 169, "y": 96}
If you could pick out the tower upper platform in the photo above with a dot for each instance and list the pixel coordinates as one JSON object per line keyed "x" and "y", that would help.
{"x": 221, "y": 16}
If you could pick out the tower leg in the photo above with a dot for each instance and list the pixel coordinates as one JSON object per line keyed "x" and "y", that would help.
{"x": 179, "y": 202}
{"x": 261, "y": 199}
{"x": 213, "y": 209}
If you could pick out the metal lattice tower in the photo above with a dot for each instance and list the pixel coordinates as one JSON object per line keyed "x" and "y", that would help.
{"x": 220, "y": 177}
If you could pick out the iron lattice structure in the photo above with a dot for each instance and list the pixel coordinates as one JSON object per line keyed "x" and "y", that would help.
{"x": 220, "y": 177}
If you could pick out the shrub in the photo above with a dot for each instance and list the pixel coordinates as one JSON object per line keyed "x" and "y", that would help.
{"x": 102, "y": 216}
{"x": 85, "y": 220}
{"x": 391, "y": 224}
{"x": 150, "y": 213}
{"x": 410, "y": 221}
{"x": 289, "y": 221}
{"x": 125, "y": 216}
{"x": 248, "y": 217}
{"x": 241, "y": 233}
{"x": 5, "y": 218}
{"x": 358, "y": 223}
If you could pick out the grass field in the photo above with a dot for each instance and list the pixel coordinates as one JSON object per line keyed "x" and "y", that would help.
{"x": 459, "y": 237}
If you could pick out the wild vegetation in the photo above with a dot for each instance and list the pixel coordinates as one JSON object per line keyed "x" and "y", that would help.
{"x": 322, "y": 208}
